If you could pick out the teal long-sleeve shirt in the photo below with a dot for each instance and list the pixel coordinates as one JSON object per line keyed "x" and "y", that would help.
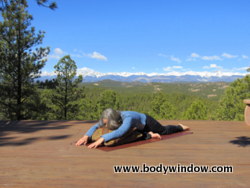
{"x": 129, "y": 119}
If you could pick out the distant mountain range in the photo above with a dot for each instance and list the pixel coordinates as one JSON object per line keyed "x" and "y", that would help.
{"x": 154, "y": 78}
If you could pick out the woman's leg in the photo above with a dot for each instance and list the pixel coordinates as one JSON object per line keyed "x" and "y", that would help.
{"x": 154, "y": 126}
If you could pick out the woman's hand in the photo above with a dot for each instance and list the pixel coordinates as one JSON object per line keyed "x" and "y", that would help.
{"x": 83, "y": 140}
{"x": 96, "y": 143}
{"x": 154, "y": 135}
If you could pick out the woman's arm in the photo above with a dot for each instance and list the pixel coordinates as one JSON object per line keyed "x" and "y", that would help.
{"x": 101, "y": 140}
{"x": 89, "y": 133}
{"x": 96, "y": 143}
{"x": 92, "y": 129}
{"x": 125, "y": 126}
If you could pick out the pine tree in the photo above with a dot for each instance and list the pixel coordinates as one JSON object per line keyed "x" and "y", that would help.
{"x": 108, "y": 99}
{"x": 231, "y": 105}
{"x": 158, "y": 100}
{"x": 167, "y": 111}
{"x": 67, "y": 93}
{"x": 197, "y": 111}
{"x": 20, "y": 61}
{"x": 88, "y": 109}
{"x": 44, "y": 3}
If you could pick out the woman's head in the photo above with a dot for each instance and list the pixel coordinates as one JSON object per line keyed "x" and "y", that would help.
{"x": 111, "y": 118}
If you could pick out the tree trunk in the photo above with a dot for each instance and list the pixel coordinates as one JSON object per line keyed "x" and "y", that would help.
{"x": 19, "y": 73}
{"x": 66, "y": 99}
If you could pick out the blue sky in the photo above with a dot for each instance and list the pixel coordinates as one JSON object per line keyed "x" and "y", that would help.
{"x": 150, "y": 36}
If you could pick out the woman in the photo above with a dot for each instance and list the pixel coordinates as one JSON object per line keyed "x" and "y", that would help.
{"x": 121, "y": 121}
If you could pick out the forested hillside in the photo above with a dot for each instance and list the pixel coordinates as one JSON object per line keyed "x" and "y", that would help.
{"x": 175, "y": 101}
{"x": 212, "y": 90}
{"x": 161, "y": 100}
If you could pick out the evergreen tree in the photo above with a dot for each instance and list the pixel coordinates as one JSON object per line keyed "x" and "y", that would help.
{"x": 108, "y": 99}
{"x": 158, "y": 100}
{"x": 167, "y": 111}
{"x": 231, "y": 105}
{"x": 20, "y": 61}
{"x": 45, "y": 3}
{"x": 47, "y": 110}
{"x": 197, "y": 111}
{"x": 67, "y": 94}
{"x": 88, "y": 110}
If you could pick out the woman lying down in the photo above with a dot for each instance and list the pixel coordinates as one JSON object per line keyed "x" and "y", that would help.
{"x": 122, "y": 121}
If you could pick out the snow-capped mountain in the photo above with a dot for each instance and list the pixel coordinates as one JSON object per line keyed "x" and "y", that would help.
{"x": 145, "y": 78}
{"x": 90, "y": 75}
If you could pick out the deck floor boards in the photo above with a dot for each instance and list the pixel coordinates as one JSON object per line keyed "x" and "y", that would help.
{"x": 42, "y": 154}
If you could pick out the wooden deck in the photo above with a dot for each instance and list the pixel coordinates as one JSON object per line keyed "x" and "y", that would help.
{"x": 42, "y": 154}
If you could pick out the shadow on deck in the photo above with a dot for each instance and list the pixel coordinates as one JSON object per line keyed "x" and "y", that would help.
{"x": 42, "y": 154}
{"x": 242, "y": 141}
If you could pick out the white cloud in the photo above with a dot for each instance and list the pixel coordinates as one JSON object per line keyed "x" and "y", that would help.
{"x": 244, "y": 57}
{"x": 77, "y": 55}
{"x": 228, "y": 56}
{"x": 53, "y": 56}
{"x": 171, "y": 57}
{"x": 57, "y": 54}
{"x": 45, "y": 73}
{"x": 211, "y": 58}
{"x": 176, "y": 59}
{"x": 93, "y": 55}
{"x": 163, "y": 55}
{"x": 172, "y": 68}
{"x": 58, "y": 51}
{"x": 167, "y": 68}
{"x": 205, "y": 73}
{"x": 177, "y": 67}
{"x": 240, "y": 69}
{"x": 96, "y": 55}
{"x": 212, "y": 66}
{"x": 88, "y": 72}
{"x": 195, "y": 55}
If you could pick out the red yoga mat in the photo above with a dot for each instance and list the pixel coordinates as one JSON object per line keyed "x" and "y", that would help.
{"x": 140, "y": 142}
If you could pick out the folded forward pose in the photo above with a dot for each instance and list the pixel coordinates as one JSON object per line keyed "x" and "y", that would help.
{"x": 122, "y": 121}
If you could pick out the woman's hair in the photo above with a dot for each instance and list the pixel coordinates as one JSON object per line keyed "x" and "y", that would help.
{"x": 114, "y": 118}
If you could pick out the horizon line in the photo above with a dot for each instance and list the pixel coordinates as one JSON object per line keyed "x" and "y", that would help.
{"x": 90, "y": 72}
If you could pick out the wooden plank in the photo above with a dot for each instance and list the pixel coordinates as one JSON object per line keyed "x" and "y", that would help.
{"x": 42, "y": 154}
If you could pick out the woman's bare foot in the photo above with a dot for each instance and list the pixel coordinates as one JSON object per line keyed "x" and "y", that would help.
{"x": 184, "y": 127}
{"x": 154, "y": 135}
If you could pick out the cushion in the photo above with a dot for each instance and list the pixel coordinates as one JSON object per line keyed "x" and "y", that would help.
{"x": 130, "y": 136}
